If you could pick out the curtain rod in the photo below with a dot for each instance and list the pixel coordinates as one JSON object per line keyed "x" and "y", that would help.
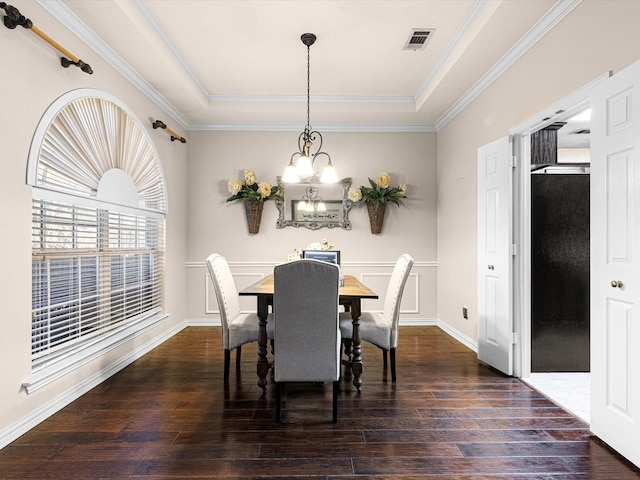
{"x": 13, "y": 18}
{"x": 174, "y": 135}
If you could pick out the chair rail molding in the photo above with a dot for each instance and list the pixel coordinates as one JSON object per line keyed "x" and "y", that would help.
{"x": 419, "y": 300}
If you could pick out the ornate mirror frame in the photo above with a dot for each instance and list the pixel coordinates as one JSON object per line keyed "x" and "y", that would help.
{"x": 337, "y": 215}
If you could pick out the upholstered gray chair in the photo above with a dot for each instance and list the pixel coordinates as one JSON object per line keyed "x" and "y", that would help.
{"x": 381, "y": 328}
{"x": 237, "y": 328}
{"x": 307, "y": 334}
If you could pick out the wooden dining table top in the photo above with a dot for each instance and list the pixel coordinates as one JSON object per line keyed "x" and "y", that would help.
{"x": 352, "y": 288}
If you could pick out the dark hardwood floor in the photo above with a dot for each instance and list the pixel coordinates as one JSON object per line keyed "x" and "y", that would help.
{"x": 448, "y": 416}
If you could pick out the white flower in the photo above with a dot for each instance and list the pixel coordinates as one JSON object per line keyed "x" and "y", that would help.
{"x": 234, "y": 186}
{"x": 384, "y": 180}
{"x": 325, "y": 245}
{"x": 249, "y": 177}
{"x": 403, "y": 188}
{"x": 355, "y": 195}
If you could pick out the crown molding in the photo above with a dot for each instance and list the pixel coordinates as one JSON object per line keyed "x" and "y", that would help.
{"x": 76, "y": 26}
{"x": 329, "y": 127}
{"x": 561, "y": 9}
{"x": 84, "y": 33}
{"x": 473, "y": 15}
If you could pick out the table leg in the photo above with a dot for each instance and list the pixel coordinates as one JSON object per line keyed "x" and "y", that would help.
{"x": 356, "y": 363}
{"x": 263, "y": 362}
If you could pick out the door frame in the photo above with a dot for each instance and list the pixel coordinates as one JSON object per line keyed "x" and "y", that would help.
{"x": 521, "y": 280}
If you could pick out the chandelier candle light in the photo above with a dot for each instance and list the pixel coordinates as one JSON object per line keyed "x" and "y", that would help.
{"x": 304, "y": 159}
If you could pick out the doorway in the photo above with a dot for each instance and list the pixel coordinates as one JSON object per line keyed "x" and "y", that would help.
{"x": 560, "y": 257}
{"x": 569, "y": 387}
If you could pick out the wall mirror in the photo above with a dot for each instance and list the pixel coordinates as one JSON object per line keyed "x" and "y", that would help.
{"x": 314, "y": 205}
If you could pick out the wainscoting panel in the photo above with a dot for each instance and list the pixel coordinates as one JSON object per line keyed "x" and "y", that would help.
{"x": 247, "y": 304}
{"x": 418, "y": 301}
{"x": 378, "y": 282}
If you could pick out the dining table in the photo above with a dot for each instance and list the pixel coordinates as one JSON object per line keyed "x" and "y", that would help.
{"x": 352, "y": 292}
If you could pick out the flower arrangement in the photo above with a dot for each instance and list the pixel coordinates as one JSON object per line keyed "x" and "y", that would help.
{"x": 251, "y": 189}
{"x": 323, "y": 245}
{"x": 297, "y": 252}
{"x": 379, "y": 192}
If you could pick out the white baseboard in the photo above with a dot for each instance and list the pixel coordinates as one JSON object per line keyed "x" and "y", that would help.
{"x": 21, "y": 427}
{"x": 203, "y": 322}
{"x": 14, "y": 431}
{"x": 462, "y": 338}
{"x": 404, "y": 322}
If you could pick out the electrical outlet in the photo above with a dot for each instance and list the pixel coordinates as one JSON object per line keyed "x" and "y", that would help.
{"x": 465, "y": 312}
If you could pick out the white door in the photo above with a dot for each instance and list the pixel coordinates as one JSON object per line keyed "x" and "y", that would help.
{"x": 615, "y": 262}
{"x": 495, "y": 323}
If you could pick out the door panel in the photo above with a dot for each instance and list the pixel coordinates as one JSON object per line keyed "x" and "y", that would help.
{"x": 494, "y": 256}
{"x": 615, "y": 278}
{"x": 618, "y": 323}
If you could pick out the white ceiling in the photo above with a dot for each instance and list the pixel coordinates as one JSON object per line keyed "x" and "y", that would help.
{"x": 219, "y": 64}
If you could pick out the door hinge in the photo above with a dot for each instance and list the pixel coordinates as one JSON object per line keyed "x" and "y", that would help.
{"x": 514, "y": 161}
{"x": 514, "y": 338}
{"x": 514, "y": 249}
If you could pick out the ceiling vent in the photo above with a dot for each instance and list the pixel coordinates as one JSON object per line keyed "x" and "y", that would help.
{"x": 418, "y": 38}
{"x": 582, "y": 131}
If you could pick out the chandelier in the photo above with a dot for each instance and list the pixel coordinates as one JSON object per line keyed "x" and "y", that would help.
{"x": 301, "y": 165}
{"x": 311, "y": 201}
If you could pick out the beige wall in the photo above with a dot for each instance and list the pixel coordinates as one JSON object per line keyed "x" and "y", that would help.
{"x": 595, "y": 37}
{"x": 217, "y": 226}
{"x": 437, "y": 225}
{"x": 31, "y": 79}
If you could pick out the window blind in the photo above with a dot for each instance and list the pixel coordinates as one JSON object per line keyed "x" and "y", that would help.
{"x": 90, "y": 136}
{"x": 94, "y": 270}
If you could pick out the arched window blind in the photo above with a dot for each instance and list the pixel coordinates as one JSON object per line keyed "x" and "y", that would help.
{"x": 99, "y": 200}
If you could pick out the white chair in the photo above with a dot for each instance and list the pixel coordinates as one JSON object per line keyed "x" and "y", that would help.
{"x": 381, "y": 328}
{"x": 237, "y": 328}
{"x": 307, "y": 334}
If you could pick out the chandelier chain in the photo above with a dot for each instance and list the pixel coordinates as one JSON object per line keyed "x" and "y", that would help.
{"x": 308, "y": 88}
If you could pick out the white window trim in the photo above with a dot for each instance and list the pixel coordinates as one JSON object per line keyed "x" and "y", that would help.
{"x": 87, "y": 353}
{"x": 100, "y": 346}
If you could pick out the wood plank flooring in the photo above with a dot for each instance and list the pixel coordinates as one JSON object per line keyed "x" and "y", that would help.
{"x": 167, "y": 416}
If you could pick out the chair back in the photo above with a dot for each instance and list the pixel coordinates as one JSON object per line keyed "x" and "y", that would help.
{"x": 226, "y": 293}
{"x": 307, "y": 334}
{"x": 393, "y": 297}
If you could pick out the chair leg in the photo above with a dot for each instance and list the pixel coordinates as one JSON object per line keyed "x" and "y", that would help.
{"x": 238, "y": 355}
{"x": 336, "y": 387}
{"x": 347, "y": 348}
{"x": 392, "y": 354}
{"x": 278, "y": 401}
{"x": 227, "y": 360}
{"x": 384, "y": 358}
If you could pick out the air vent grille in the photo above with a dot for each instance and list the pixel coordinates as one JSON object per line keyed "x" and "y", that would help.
{"x": 418, "y": 38}
{"x": 582, "y": 131}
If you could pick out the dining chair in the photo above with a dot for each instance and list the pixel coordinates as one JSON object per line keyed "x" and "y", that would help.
{"x": 381, "y": 328}
{"x": 237, "y": 328}
{"x": 307, "y": 333}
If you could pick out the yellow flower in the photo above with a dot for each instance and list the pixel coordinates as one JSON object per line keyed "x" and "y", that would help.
{"x": 249, "y": 177}
{"x": 355, "y": 195}
{"x": 403, "y": 188}
{"x": 234, "y": 186}
{"x": 384, "y": 180}
{"x": 265, "y": 189}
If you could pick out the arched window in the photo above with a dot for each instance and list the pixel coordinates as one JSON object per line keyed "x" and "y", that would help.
{"x": 99, "y": 200}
